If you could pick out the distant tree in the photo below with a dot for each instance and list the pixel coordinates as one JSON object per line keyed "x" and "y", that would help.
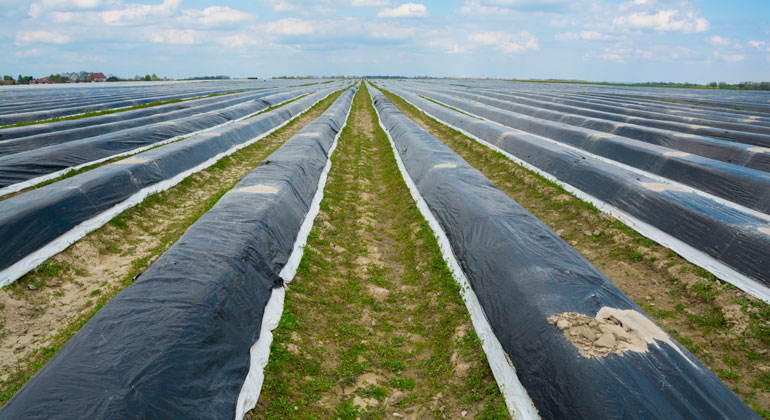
{"x": 7, "y": 77}
{"x": 147, "y": 78}
{"x": 713, "y": 84}
{"x": 112, "y": 79}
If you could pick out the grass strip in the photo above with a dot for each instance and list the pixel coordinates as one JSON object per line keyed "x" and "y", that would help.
{"x": 279, "y": 105}
{"x": 373, "y": 323}
{"x": 163, "y": 217}
{"x": 724, "y": 327}
{"x": 449, "y": 107}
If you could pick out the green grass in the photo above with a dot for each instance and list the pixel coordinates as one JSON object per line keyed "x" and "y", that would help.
{"x": 449, "y": 107}
{"x": 278, "y": 105}
{"x": 322, "y": 348}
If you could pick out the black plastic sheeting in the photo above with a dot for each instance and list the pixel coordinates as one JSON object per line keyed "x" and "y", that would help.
{"x": 653, "y": 118}
{"x": 22, "y": 115}
{"x": 522, "y": 273}
{"x": 742, "y": 185}
{"x": 30, "y": 137}
{"x": 724, "y": 233}
{"x": 34, "y": 219}
{"x": 36, "y": 163}
{"x": 30, "y": 103}
{"x": 550, "y": 122}
{"x": 175, "y": 344}
{"x": 25, "y": 101}
{"x": 638, "y": 124}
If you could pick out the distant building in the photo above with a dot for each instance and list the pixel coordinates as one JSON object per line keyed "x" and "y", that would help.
{"x": 99, "y": 77}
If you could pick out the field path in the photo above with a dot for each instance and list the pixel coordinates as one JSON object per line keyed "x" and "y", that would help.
{"x": 374, "y": 325}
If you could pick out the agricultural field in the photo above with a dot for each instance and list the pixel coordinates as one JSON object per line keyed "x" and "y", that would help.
{"x": 400, "y": 248}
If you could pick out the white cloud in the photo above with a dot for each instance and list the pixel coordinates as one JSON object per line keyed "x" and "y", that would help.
{"x": 47, "y": 37}
{"x": 284, "y": 6}
{"x": 505, "y": 42}
{"x": 174, "y": 36}
{"x": 720, "y": 41}
{"x": 39, "y": 8}
{"x": 618, "y": 58}
{"x": 389, "y": 31}
{"x": 760, "y": 45}
{"x": 405, "y": 10}
{"x": 584, "y": 35}
{"x": 217, "y": 15}
{"x": 369, "y": 3}
{"x": 126, "y": 15}
{"x": 28, "y": 52}
{"x": 446, "y": 45}
{"x": 622, "y": 53}
{"x": 664, "y": 21}
{"x": 289, "y": 26}
{"x": 732, "y": 58}
{"x": 238, "y": 40}
{"x": 559, "y": 23}
{"x": 506, "y": 7}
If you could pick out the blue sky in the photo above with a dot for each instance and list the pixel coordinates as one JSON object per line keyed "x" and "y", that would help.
{"x": 601, "y": 40}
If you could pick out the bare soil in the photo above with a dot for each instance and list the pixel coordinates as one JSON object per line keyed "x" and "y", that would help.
{"x": 374, "y": 326}
{"x": 42, "y": 310}
{"x": 724, "y": 327}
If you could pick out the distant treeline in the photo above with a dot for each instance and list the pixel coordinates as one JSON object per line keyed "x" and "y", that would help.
{"x": 712, "y": 85}
{"x": 220, "y": 77}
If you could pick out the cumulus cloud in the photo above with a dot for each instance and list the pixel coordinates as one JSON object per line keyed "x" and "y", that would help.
{"x": 405, "y": 10}
{"x": 289, "y": 26}
{"x": 664, "y": 21}
{"x": 48, "y": 37}
{"x": 760, "y": 45}
{"x": 238, "y": 41}
{"x": 506, "y": 42}
{"x": 390, "y": 31}
{"x": 217, "y": 15}
{"x": 125, "y": 15}
{"x": 506, "y": 7}
{"x": 446, "y": 45}
{"x": 174, "y": 36}
{"x": 37, "y": 9}
{"x": 369, "y": 3}
{"x": 720, "y": 41}
{"x": 732, "y": 58}
{"x": 28, "y": 52}
{"x": 584, "y": 35}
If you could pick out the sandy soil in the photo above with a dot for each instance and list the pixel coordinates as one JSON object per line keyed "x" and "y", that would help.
{"x": 374, "y": 326}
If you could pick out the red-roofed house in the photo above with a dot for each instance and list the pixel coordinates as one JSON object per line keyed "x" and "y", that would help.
{"x": 99, "y": 77}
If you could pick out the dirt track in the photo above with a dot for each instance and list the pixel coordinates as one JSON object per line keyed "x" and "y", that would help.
{"x": 374, "y": 325}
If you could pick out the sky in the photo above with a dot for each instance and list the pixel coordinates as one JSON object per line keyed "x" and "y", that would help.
{"x": 599, "y": 40}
